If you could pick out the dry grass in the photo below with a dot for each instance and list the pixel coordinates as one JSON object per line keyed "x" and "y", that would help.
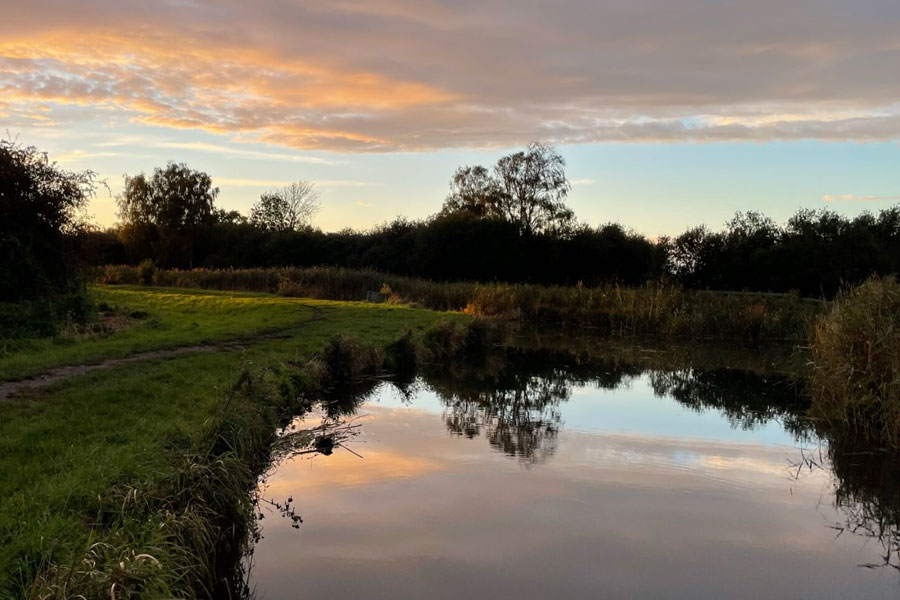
{"x": 855, "y": 378}
{"x": 654, "y": 309}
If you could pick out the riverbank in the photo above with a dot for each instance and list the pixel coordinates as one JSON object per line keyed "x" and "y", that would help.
{"x": 658, "y": 309}
{"x": 125, "y": 479}
{"x": 119, "y": 477}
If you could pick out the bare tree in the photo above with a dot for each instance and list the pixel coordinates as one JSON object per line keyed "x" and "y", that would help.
{"x": 288, "y": 208}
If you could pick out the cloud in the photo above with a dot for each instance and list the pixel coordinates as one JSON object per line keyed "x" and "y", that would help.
{"x": 242, "y": 182}
{"x": 80, "y": 155}
{"x": 830, "y": 198}
{"x": 342, "y": 183}
{"x": 387, "y": 75}
{"x": 252, "y": 154}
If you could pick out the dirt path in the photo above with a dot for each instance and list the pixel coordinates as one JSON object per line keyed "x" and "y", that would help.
{"x": 57, "y": 374}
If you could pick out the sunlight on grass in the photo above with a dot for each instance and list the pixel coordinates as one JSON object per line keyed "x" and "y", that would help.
{"x": 62, "y": 447}
{"x": 158, "y": 318}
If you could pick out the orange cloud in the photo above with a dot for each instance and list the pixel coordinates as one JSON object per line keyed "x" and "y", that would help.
{"x": 380, "y": 75}
{"x": 170, "y": 81}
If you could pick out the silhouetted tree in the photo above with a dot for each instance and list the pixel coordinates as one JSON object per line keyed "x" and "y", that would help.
{"x": 692, "y": 254}
{"x": 474, "y": 192}
{"x": 528, "y": 188}
{"x": 228, "y": 217}
{"x": 40, "y": 204}
{"x": 173, "y": 206}
{"x": 534, "y": 188}
{"x": 286, "y": 209}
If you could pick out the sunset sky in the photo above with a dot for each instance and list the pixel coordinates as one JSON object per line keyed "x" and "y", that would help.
{"x": 669, "y": 112}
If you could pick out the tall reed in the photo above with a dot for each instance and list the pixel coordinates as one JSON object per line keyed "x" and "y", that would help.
{"x": 855, "y": 377}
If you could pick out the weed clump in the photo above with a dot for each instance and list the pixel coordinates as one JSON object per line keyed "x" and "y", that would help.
{"x": 405, "y": 355}
{"x": 348, "y": 361}
{"x": 445, "y": 338}
{"x": 147, "y": 272}
{"x": 855, "y": 378}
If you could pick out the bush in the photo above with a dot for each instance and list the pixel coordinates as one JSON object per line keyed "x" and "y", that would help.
{"x": 40, "y": 205}
{"x": 147, "y": 272}
{"x": 347, "y": 360}
{"x": 44, "y": 317}
{"x": 41, "y": 208}
{"x": 405, "y": 355}
{"x": 855, "y": 378}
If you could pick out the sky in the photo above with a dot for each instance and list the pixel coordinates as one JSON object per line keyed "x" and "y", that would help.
{"x": 669, "y": 113}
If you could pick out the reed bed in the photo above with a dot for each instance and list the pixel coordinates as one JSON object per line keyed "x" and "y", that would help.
{"x": 855, "y": 377}
{"x": 656, "y": 308}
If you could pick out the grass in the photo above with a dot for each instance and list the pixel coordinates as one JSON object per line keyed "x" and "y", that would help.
{"x": 659, "y": 309}
{"x": 153, "y": 459}
{"x": 855, "y": 377}
{"x": 69, "y": 453}
{"x": 154, "y": 318}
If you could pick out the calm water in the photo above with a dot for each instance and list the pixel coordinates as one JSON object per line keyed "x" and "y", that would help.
{"x": 540, "y": 480}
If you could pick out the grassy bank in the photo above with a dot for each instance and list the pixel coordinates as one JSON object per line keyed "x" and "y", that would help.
{"x": 654, "y": 309}
{"x": 125, "y": 480}
{"x": 96, "y": 470}
{"x": 855, "y": 366}
{"x": 135, "y": 319}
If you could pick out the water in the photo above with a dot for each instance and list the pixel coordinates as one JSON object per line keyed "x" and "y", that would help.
{"x": 546, "y": 480}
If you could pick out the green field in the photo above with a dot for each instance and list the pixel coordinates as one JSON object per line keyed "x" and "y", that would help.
{"x": 64, "y": 447}
{"x": 157, "y": 318}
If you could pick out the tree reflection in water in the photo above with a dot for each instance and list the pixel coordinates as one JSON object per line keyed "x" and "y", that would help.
{"x": 746, "y": 399}
{"x": 513, "y": 399}
{"x": 514, "y": 402}
{"x": 520, "y": 420}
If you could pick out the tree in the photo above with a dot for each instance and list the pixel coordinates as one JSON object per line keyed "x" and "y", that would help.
{"x": 40, "y": 204}
{"x": 752, "y": 227}
{"x": 177, "y": 202}
{"x": 533, "y": 188}
{"x": 528, "y": 188}
{"x": 229, "y": 217}
{"x": 691, "y": 255}
{"x": 473, "y": 191}
{"x": 289, "y": 208}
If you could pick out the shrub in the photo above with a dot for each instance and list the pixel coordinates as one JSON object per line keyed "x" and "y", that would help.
{"x": 348, "y": 361}
{"x": 445, "y": 338}
{"x": 41, "y": 207}
{"x": 147, "y": 272}
{"x": 855, "y": 379}
{"x": 405, "y": 355}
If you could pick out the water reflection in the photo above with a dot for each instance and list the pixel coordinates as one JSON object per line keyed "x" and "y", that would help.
{"x": 639, "y": 482}
{"x": 514, "y": 402}
{"x": 747, "y": 400}
{"x": 865, "y": 492}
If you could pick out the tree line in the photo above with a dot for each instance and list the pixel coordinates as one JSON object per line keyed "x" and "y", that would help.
{"x": 509, "y": 222}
